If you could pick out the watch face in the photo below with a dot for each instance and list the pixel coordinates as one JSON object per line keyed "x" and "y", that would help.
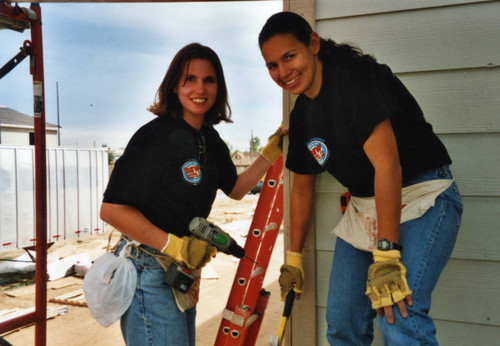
{"x": 384, "y": 244}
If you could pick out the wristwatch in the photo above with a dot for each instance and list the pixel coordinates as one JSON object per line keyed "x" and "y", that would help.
{"x": 386, "y": 245}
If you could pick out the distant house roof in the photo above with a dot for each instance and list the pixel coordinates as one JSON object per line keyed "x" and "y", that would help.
{"x": 13, "y": 118}
{"x": 243, "y": 158}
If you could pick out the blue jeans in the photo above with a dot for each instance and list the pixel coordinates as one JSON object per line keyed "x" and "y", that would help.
{"x": 153, "y": 318}
{"x": 427, "y": 245}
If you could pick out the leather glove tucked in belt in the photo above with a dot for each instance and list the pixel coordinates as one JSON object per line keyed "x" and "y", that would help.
{"x": 189, "y": 251}
{"x": 386, "y": 283}
{"x": 292, "y": 274}
{"x": 274, "y": 147}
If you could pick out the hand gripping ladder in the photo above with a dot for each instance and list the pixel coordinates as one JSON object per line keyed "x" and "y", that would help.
{"x": 242, "y": 317}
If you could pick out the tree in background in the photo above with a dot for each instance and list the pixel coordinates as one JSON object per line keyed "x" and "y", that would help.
{"x": 255, "y": 146}
{"x": 111, "y": 158}
{"x": 111, "y": 155}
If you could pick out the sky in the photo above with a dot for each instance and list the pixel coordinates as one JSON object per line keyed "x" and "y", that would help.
{"x": 108, "y": 60}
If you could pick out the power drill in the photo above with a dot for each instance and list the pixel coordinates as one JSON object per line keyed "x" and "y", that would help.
{"x": 182, "y": 278}
{"x": 215, "y": 236}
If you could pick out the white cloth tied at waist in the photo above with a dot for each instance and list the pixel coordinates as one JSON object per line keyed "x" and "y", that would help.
{"x": 358, "y": 225}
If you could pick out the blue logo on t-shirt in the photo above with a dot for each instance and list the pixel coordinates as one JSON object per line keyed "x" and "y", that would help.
{"x": 191, "y": 172}
{"x": 318, "y": 150}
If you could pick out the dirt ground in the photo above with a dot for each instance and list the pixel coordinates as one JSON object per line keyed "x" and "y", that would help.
{"x": 77, "y": 327}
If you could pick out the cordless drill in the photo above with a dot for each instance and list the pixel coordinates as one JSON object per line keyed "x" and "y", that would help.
{"x": 182, "y": 278}
{"x": 215, "y": 236}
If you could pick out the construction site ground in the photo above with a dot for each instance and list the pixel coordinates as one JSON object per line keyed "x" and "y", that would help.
{"x": 76, "y": 326}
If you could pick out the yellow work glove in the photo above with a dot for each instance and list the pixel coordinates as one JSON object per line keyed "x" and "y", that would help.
{"x": 292, "y": 274}
{"x": 386, "y": 283}
{"x": 274, "y": 146}
{"x": 189, "y": 251}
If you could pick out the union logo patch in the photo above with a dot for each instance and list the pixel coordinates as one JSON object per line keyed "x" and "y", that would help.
{"x": 191, "y": 172}
{"x": 318, "y": 150}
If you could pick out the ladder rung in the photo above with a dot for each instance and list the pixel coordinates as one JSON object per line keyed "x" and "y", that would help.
{"x": 233, "y": 317}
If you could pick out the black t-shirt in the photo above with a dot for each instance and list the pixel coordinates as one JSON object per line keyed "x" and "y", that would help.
{"x": 328, "y": 133}
{"x": 171, "y": 173}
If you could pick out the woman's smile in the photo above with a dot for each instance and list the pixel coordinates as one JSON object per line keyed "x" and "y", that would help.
{"x": 292, "y": 65}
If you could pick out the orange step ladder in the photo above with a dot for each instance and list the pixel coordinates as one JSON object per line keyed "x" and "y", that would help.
{"x": 242, "y": 317}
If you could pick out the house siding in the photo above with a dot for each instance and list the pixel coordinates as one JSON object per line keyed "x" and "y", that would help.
{"x": 20, "y": 136}
{"x": 16, "y": 127}
{"x": 448, "y": 56}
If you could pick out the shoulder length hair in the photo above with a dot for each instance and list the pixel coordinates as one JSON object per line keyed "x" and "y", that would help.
{"x": 167, "y": 102}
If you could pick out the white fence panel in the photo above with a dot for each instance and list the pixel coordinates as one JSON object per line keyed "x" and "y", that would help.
{"x": 76, "y": 179}
{"x": 8, "y": 193}
{"x": 25, "y": 197}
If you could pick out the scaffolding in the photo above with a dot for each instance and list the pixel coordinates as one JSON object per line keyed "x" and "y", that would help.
{"x": 17, "y": 18}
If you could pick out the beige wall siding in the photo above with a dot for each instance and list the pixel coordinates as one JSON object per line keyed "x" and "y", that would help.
{"x": 328, "y": 9}
{"x": 476, "y": 159}
{"x": 447, "y": 54}
{"x": 458, "y": 101}
{"x": 443, "y": 38}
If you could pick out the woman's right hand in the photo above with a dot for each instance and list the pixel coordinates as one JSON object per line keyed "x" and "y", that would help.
{"x": 189, "y": 251}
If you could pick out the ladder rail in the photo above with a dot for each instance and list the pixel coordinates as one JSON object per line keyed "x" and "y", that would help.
{"x": 247, "y": 300}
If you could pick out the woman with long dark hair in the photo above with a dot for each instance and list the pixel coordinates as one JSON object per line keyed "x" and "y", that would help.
{"x": 354, "y": 119}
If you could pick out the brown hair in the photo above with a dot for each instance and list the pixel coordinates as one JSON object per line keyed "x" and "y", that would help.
{"x": 167, "y": 103}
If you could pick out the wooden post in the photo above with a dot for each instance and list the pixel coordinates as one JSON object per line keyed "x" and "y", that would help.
{"x": 303, "y": 325}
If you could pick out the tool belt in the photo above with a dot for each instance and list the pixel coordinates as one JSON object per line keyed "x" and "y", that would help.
{"x": 184, "y": 301}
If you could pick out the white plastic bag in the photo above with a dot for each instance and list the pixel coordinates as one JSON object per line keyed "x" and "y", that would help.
{"x": 109, "y": 286}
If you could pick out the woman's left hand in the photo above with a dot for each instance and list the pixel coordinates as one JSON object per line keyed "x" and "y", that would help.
{"x": 274, "y": 147}
{"x": 387, "y": 284}
{"x": 388, "y": 312}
